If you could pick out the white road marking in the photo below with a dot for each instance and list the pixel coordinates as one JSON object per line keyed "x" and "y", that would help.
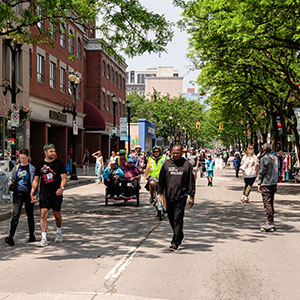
{"x": 116, "y": 271}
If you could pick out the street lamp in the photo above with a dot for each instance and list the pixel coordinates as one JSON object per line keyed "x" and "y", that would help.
{"x": 128, "y": 124}
{"x": 14, "y": 46}
{"x": 171, "y": 119}
{"x": 114, "y": 100}
{"x": 75, "y": 81}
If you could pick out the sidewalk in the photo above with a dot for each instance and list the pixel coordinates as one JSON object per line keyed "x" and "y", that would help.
{"x": 5, "y": 208}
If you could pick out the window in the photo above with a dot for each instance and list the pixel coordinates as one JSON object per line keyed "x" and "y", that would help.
{"x": 52, "y": 75}
{"x": 175, "y": 75}
{"x": 71, "y": 41}
{"x": 123, "y": 109}
{"x": 108, "y": 103}
{"x": 141, "y": 78}
{"x": 120, "y": 109}
{"x": 30, "y": 64}
{"x": 78, "y": 48}
{"x": 127, "y": 77}
{"x": 108, "y": 71}
{"x": 52, "y": 31}
{"x": 123, "y": 84}
{"x": 120, "y": 82}
{"x": 40, "y": 24}
{"x": 103, "y": 101}
{"x": 5, "y": 62}
{"x": 40, "y": 68}
{"x": 19, "y": 67}
{"x": 112, "y": 75}
{"x": 79, "y": 91}
{"x": 62, "y": 40}
{"x": 116, "y": 78}
{"x": 62, "y": 80}
{"x": 131, "y": 76}
{"x": 103, "y": 67}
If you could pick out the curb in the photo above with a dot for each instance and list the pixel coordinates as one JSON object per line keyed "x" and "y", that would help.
{"x": 70, "y": 185}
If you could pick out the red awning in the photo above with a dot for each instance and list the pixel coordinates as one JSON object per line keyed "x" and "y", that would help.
{"x": 93, "y": 119}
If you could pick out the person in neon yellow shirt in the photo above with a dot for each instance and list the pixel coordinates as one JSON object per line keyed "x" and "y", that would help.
{"x": 155, "y": 162}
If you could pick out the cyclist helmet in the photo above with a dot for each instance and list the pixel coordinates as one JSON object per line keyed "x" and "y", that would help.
{"x": 156, "y": 147}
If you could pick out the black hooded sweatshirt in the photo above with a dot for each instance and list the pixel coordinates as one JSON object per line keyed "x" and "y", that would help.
{"x": 176, "y": 179}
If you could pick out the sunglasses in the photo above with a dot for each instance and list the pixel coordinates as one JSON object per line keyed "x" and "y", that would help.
{"x": 156, "y": 151}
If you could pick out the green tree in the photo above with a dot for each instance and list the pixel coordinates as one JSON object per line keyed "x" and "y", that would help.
{"x": 125, "y": 25}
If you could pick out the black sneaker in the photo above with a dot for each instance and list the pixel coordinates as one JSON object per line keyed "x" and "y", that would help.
{"x": 173, "y": 247}
{"x": 10, "y": 241}
{"x": 31, "y": 239}
{"x": 208, "y": 184}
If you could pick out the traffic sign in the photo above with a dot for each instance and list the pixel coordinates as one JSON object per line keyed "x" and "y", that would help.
{"x": 221, "y": 126}
{"x": 15, "y": 107}
{"x": 114, "y": 130}
{"x": 75, "y": 128}
{"x": 197, "y": 125}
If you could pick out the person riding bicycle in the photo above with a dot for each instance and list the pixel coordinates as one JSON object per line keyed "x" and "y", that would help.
{"x": 155, "y": 162}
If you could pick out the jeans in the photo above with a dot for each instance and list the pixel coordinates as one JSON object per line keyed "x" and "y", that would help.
{"x": 268, "y": 193}
{"x": 175, "y": 211}
{"x": 237, "y": 169}
{"x": 18, "y": 199}
{"x": 98, "y": 172}
{"x": 248, "y": 185}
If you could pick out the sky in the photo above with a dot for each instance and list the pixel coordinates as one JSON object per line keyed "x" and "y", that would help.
{"x": 176, "y": 50}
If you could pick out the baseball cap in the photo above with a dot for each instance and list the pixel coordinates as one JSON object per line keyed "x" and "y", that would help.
{"x": 138, "y": 146}
{"x": 112, "y": 161}
{"x": 48, "y": 146}
{"x": 130, "y": 159}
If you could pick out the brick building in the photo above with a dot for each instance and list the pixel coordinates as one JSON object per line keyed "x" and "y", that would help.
{"x": 105, "y": 79}
{"x": 49, "y": 67}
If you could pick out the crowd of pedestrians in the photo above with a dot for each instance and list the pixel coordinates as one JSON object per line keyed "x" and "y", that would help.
{"x": 171, "y": 175}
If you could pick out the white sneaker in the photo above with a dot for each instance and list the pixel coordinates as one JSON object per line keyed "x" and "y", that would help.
{"x": 58, "y": 238}
{"x": 43, "y": 243}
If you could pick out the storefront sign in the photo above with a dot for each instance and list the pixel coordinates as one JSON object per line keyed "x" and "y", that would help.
{"x": 123, "y": 129}
{"x": 57, "y": 116}
{"x": 151, "y": 130}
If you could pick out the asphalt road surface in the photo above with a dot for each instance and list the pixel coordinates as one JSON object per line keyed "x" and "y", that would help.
{"x": 121, "y": 251}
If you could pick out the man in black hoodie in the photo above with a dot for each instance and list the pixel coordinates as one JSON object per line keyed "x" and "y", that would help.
{"x": 177, "y": 180}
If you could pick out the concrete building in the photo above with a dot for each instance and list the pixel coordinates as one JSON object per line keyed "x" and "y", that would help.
{"x": 165, "y": 80}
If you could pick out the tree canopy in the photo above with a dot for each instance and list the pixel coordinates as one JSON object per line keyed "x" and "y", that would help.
{"x": 125, "y": 25}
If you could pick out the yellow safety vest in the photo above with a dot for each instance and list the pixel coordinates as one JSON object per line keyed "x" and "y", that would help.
{"x": 155, "y": 168}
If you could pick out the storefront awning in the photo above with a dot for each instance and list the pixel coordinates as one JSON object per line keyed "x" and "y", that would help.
{"x": 94, "y": 119}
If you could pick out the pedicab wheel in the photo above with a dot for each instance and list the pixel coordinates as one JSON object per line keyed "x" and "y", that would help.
{"x": 137, "y": 199}
{"x": 106, "y": 202}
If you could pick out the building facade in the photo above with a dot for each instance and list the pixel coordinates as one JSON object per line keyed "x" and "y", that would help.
{"x": 165, "y": 80}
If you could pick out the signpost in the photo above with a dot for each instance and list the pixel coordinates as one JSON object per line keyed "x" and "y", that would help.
{"x": 15, "y": 115}
{"x": 123, "y": 129}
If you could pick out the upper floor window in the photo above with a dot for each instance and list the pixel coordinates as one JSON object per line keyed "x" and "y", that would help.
{"x": 5, "y": 61}
{"x": 116, "y": 78}
{"x": 52, "y": 75}
{"x": 120, "y": 81}
{"x": 62, "y": 80}
{"x": 108, "y": 71}
{"x": 103, "y": 67}
{"x": 40, "y": 24}
{"x": 103, "y": 100}
{"x": 123, "y": 84}
{"x": 52, "y": 31}
{"x": 40, "y": 68}
{"x": 175, "y": 75}
{"x": 131, "y": 76}
{"x": 71, "y": 41}
{"x": 127, "y": 77}
{"x": 108, "y": 103}
{"x": 30, "y": 64}
{"x": 78, "y": 48}
{"x": 112, "y": 75}
{"x": 62, "y": 40}
{"x": 141, "y": 78}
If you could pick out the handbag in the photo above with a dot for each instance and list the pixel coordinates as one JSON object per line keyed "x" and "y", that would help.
{"x": 13, "y": 186}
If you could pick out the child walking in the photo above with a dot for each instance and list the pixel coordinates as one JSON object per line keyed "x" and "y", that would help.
{"x": 210, "y": 163}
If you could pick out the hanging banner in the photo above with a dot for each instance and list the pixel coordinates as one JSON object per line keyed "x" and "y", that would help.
{"x": 123, "y": 129}
{"x": 75, "y": 128}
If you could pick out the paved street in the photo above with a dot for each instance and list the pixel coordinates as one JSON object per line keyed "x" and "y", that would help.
{"x": 121, "y": 251}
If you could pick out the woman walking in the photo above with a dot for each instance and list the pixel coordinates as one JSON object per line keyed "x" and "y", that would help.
{"x": 22, "y": 177}
{"x": 249, "y": 166}
{"x": 99, "y": 167}
{"x": 86, "y": 161}
{"x": 237, "y": 163}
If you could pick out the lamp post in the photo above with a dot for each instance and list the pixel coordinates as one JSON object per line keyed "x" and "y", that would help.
{"x": 183, "y": 136}
{"x": 170, "y": 119}
{"x": 128, "y": 124}
{"x": 114, "y": 101}
{"x": 75, "y": 81}
{"x": 14, "y": 46}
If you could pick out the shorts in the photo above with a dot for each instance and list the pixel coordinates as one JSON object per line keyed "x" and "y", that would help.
{"x": 154, "y": 179}
{"x": 210, "y": 173}
{"x": 53, "y": 202}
